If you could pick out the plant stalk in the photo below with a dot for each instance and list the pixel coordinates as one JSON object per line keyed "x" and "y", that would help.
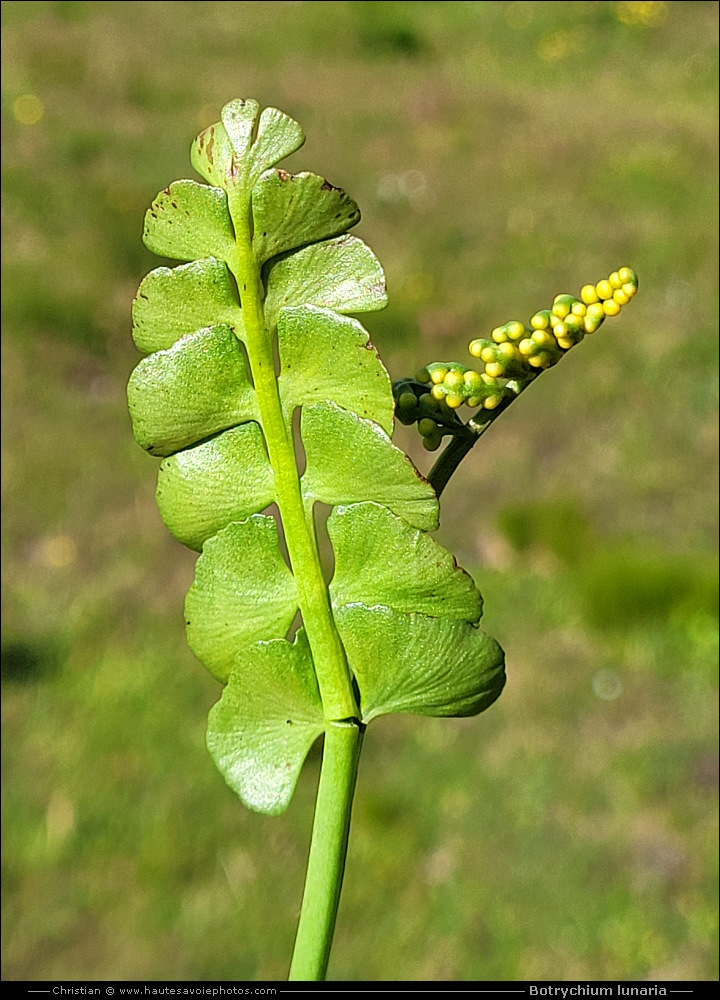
{"x": 449, "y": 460}
{"x": 464, "y": 442}
{"x": 328, "y": 849}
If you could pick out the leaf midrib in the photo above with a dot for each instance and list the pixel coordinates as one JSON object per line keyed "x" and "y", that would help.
{"x": 333, "y": 673}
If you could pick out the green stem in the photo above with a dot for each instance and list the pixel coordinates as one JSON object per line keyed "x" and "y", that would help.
{"x": 331, "y": 666}
{"x": 328, "y": 849}
{"x": 449, "y": 460}
{"x": 465, "y": 441}
{"x": 343, "y": 735}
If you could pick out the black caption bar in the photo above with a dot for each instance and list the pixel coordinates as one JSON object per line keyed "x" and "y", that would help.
{"x": 208, "y": 990}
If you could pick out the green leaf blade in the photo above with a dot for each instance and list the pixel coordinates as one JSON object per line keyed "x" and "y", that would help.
{"x": 381, "y": 559}
{"x": 350, "y": 460}
{"x": 214, "y": 158}
{"x": 342, "y": 274}
{"x": 190, "y": 221}
{"x": 239, "y": 119}
{"x": 291, "y": 210}
{"x": 326, "y": 356}
{"x": 398, "y": 606}
{"x": 243, "y": 592}
{"x": 172, "y": 302}
{"x": 261, "y": 730}
{"x": 237, "y": 150}
{"x": 203, "y": 489}
{"x": 197, "y": 387}
{"x": 278, "y": 135}
{"x": 417, "y": 664}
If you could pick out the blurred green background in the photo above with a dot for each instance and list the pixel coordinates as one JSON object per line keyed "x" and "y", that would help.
{"x": 501, "y": 153}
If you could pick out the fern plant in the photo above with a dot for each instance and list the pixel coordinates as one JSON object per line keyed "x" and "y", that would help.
{"x": 252, "y": 330}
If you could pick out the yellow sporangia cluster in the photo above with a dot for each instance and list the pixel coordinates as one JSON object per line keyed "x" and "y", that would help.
{"x": 515, "y": 354}
{"x": 515, "y": 350}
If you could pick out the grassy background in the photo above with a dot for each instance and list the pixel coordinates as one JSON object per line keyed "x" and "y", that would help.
{"x": 501, "y": 152}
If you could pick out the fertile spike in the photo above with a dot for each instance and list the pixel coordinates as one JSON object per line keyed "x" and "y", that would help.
{"x": 511, "y": 358}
